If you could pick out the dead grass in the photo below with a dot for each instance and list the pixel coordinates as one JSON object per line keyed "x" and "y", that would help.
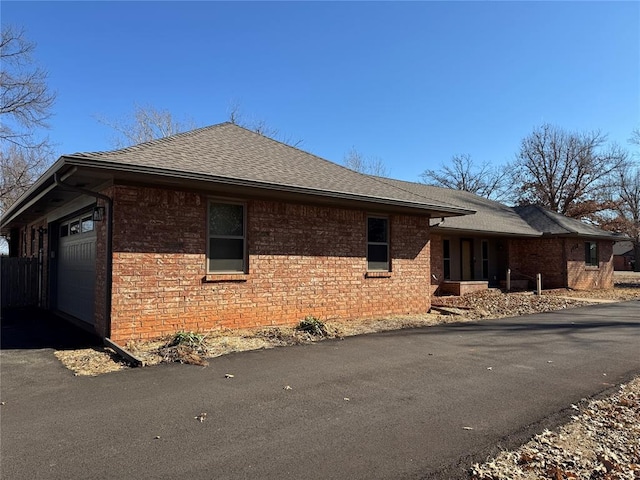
{"x": 487, "y": 304}
{"x": 91, "y": 361}
{"x": 224, "y": 341}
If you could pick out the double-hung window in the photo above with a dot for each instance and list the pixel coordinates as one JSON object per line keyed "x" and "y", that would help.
{"x": 226, "y": 249}
{"x": 377, "y": 244}
{"x": 591, "y": 254}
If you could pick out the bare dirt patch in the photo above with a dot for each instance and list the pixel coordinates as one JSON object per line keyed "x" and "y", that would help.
{"x": 91, "y": 361}
{"x": 480, "y": 305}
{"x": 222, "y": 342}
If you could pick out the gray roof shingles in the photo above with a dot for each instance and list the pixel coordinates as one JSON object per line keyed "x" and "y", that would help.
{"x": 227, "y": 151}
{"x": 552, "y": 223}
{"x": 490, "y": 216}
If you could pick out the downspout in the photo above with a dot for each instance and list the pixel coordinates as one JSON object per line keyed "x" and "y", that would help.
{"x": 109, "y": 201}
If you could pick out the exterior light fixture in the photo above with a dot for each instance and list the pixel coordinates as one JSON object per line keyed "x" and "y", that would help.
{"x": 98, "y": 214}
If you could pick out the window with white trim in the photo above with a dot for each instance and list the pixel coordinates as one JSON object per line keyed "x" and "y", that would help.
{"x": 226, "y": 237}
{"x": 377, "y": 244}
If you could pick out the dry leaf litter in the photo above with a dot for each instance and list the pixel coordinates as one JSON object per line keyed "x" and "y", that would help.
{"x": 601, "y": 442}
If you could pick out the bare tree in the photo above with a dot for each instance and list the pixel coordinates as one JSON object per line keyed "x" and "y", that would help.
{"x": 462, "y": 173}
{"x": 25, "y": 107}
{"x": 625, "y": 214}
{"x": 144, "y": 124}
{"x": 566, "y": 172}
{"x": 237, "y": 117}
{"x": 25, "y": 99}
{"x": 368, "y": 165}
{"x": 19, "y": 168}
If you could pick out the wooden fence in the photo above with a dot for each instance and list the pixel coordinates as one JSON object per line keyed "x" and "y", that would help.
{"x": 18, "y": 282}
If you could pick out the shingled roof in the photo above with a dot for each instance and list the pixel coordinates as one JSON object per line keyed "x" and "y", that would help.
{"x": 491, "y": 217}
{"x": 552, "y": 223}
{"x": 232, "y": 154}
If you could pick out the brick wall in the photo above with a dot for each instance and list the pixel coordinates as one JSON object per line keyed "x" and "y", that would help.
{"x": 437, "y": 262}
{"x": 303, "y": 260}
{"x": 561, "y": 261}
{"x": 582, "y": 277}
{"x": 528, "y": 257}
{"x": 101, "y": 326}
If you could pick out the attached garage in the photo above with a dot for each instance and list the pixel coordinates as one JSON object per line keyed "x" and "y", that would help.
{"x": 76, "y": 268}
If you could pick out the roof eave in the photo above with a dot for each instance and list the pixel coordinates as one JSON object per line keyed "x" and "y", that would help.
{"x": 436, "y": 228}
{"x": 434, "y": 210}
{"x": 612, "y": 238}
{"x": 36, "y": 190}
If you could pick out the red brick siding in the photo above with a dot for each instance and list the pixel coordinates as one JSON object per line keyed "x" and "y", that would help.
{"x": 437, "y": 262}
{"x": 582, "y": 277}
{"x": 303, "y": 260}
{"x": 561, "y": 261}
{"x": 528, "y": 257}
{"x": 100, "y": 314}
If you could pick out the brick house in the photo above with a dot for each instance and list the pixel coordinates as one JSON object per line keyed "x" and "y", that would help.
{"x": 624, "y": 257}
{"x": 221, "y": 227}
{"x": 475, "y": 251}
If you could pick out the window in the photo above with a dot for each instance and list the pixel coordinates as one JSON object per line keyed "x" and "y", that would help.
{"x": 64, "y": 230}
{"x": 87, "y": 224}
{"x": 485, "y": 260}
{"x": 446, "y": 255}
{"x": 226, "y": 238}
{"x": 377, "y": 244}
{"x": 591, "y": 254}
{"x": 74, "y": 227}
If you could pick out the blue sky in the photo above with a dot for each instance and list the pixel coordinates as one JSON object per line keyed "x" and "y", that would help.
{"x": 411, "y": 83}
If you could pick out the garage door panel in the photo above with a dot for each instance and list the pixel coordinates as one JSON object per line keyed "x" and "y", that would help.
{"x": 76, "y": 275}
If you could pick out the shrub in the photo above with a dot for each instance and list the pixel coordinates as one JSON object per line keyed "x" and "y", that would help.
{"x": 189, "y": 339}
{"x": 312, "y": 326}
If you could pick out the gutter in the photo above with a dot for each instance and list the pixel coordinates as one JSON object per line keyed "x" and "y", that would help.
{"x": 109, "y": 201}
{"x": 240, "y": 182}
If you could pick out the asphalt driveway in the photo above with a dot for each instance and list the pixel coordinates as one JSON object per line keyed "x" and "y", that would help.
{"x": 385, "y": 406}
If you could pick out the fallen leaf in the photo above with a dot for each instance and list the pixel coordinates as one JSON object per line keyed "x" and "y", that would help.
{"x": 287, "y": 387}
{"x": 467, "y": 428}
{"x": 228, "y": 375}
{"x": 201, "y": 418}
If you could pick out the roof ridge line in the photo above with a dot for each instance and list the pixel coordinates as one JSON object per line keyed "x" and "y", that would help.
{"x": 546, "y": 212}
{"x": 155, "y": 141}
{"x": 382, "y": 180}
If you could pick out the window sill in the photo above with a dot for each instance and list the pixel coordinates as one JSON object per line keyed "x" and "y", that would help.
{"x": 225, "y": 277}
{"x": 378, "y": 275}
{"x": 591, "y": 267}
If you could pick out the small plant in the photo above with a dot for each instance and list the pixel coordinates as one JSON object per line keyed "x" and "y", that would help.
{"x": 185, "y": 347}
{"x": 313, "y": 326}
{"x": 189, "y": 339}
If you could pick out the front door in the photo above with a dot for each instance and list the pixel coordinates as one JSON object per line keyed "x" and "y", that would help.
{"x": 466, "y": 260}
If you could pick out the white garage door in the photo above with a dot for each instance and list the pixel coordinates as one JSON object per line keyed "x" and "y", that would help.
{"x": 77, "y": 268}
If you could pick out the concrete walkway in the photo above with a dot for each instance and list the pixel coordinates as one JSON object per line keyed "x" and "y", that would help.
{"x": 421, "y": 403}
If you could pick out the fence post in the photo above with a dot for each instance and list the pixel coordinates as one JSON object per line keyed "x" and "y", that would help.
{"x": 508, "y": 279}
{"x": 539, "y": 284}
